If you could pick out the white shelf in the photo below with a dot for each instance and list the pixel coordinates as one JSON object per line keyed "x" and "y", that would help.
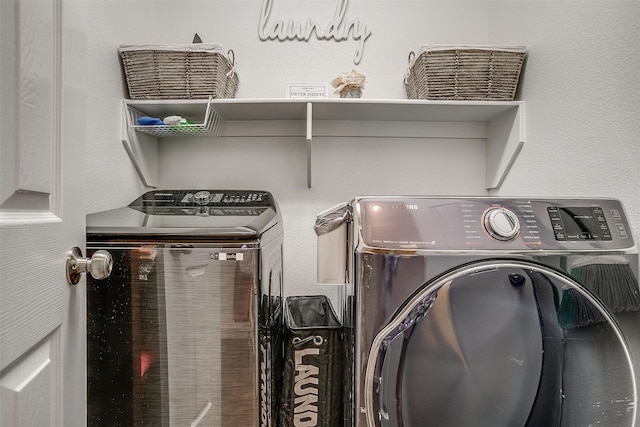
{"x": 500, "y": 123}
{"x": 361, "y": 109}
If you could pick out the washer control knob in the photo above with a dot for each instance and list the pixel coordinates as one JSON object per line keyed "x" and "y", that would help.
{"x": 501, "y": 224}
{"x": 202, "y": 197}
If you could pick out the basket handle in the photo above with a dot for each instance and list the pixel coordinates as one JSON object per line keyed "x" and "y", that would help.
{"x": 407, "y": 73}
{"x": 231, "y": 56}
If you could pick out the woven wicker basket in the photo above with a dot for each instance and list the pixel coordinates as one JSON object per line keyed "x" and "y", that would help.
{"x": 189, "y": 71}
{"x": 464, "y": 73}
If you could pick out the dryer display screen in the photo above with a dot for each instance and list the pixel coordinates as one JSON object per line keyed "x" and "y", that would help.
{"x": 579, "y": 223}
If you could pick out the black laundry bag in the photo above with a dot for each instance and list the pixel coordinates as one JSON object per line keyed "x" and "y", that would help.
{"x": 313, "y": 362}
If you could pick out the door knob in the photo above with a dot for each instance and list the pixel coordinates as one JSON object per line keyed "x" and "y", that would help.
{"x": 99, "y": 265}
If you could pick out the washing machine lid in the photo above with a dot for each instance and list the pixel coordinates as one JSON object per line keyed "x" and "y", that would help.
{"x": 190, "y": 213}
{"x": 500, "y": 343}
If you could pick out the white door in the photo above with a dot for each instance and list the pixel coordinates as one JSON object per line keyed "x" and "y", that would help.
{"x": 42, "y": 125}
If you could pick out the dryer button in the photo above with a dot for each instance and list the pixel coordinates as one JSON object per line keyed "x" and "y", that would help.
{"x": 501, "y": 224}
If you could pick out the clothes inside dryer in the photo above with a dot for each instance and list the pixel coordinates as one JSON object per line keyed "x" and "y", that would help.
{"x": 482, "y": 345}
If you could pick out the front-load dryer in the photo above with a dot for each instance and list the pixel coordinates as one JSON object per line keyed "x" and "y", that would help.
{"x": 186, "y": 329}
{"x": 486, "y": 311}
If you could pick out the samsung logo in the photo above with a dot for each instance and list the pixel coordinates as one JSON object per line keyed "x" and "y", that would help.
{"x": 406, "y": 207}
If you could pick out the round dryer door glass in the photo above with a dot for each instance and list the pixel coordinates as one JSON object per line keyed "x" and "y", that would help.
{"x": 500, "y": 343}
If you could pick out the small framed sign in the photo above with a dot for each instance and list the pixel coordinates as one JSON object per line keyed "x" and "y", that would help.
{"x": 307, "y": 90}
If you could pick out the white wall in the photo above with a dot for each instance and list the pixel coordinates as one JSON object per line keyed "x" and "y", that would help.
{"x": 582, "y": 91}
{"x": 580, "y": 84}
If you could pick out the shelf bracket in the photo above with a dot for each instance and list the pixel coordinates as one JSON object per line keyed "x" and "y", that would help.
{"x": 505, "y": 140}
{"x": 309, "y": 140}
{"x": 132, "y": 146}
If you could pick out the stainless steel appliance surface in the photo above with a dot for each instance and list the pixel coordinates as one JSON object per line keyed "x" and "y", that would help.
{"x": 484, "y": 311}
{"x": 186, "y": 329}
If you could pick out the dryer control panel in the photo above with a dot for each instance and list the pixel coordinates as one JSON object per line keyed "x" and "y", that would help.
{"x": 488, "y": 223}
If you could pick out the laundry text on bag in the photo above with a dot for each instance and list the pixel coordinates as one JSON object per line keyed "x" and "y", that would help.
{"x": 306, "y": 390}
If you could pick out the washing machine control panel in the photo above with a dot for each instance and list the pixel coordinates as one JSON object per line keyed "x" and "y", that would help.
{"x": 199, "y": 202}
{"x": 501, "y": 223}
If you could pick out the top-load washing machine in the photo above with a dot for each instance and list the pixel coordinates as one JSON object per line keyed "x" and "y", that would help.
{"x": 486, "y": 311}
{"x": 185, "y": 331}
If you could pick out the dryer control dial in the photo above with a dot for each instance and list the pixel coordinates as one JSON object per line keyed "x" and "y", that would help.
{"x": 501, "y": 223}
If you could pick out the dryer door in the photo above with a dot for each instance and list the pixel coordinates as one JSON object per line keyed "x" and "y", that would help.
{"x": 486, "y": 344}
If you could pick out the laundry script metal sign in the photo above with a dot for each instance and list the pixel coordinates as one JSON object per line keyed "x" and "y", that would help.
{"x": 338, "y": 28}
